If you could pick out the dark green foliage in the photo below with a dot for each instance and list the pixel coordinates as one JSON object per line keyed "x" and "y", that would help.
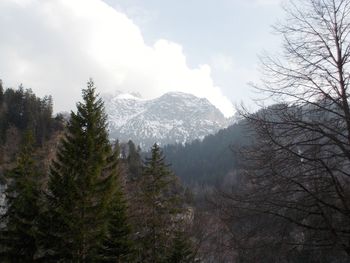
{"x": 19, "y": 223}
{"x": 81, "y": 184}
{"x": 182, "y": 250}
{"x": 134, "y": 161}
{"x": 207, "y": 161}
{"x": 159, "y": 204}
{"x": 117, "y": 245}
{"x": 23, "y": 110}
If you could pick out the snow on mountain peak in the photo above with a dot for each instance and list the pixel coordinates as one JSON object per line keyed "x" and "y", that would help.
{"x": 174, "y": 117}
{"x": 127, "y": 96}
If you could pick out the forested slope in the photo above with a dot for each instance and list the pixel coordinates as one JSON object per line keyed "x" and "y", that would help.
{"x": 22, "y": 112}
{"x": 210, "y": 160}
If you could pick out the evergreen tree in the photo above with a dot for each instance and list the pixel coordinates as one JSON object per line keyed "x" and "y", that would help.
{"x": 81, "y": 185}
{"x": 23, "y": 110}
{"x": 159, "y": 206}
{"x": 182, "y": 250}
{"x": 134, "y": 161}
{"x": 19, "y": 223}
{"x": 117, "y": 245}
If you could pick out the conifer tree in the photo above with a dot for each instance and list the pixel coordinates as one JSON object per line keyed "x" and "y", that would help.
{"x": 134, "y": 161}
{"x": 81, "y": 185}
{"x": 18, "y": 226}
{"x": 159, "y": 205}
{"x": 182, "y": 250}
{"x": 117, "y": 245}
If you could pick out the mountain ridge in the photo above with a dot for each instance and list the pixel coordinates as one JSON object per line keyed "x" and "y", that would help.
{"x": 174, "y": 117}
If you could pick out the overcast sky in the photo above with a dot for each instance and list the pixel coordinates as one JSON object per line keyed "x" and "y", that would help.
{"x": 205, "y": 47}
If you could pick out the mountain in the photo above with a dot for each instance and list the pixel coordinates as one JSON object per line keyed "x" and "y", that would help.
{"x": 210, "y": 161}
{"x": 174, "y": 117}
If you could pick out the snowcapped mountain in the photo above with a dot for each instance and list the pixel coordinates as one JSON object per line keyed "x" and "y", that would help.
{"x": 174, "y": 117}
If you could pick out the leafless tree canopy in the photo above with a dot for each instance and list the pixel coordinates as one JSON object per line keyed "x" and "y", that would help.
{"x": 296, "y": 174}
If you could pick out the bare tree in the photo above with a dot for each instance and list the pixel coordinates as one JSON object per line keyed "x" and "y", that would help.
{"x": 297, "y": 171}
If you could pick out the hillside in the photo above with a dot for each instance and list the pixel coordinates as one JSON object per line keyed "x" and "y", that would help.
{"x": 208, "y": 161}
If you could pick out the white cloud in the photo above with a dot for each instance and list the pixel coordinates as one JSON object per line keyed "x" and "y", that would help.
{"x": 223, "y": 63}
{"x": 226, "y": 69}
{"x": 54, "y": 46}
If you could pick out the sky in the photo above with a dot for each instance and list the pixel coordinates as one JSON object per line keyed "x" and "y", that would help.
{"x": 208, "y": 48}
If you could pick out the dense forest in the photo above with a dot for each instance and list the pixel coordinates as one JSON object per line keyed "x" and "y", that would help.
{"x": 22, "y": 112}
{"x": 273, "y": 187}
{"x": 210, "y": 161}
{"x": 89, "y": 205}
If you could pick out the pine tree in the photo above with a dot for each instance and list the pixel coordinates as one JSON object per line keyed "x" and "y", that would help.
{"x": 158, "y": 208}
{"x": 117, "y": 245}
{"x": 182, "y": 250}
{"x": 18, "y": 225}
{"x": 81, "y": 185}
{"x": 134, "y": 161}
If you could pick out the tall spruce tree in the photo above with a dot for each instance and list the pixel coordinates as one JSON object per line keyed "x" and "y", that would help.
{"x": 182, "y": 250}
{"x": 158, "y": 209}
{"x": 117, "y": 246}
{"x": 81, "y": 184}
{"x": 18, "y": 226}
{"x": 134, "y": 161}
